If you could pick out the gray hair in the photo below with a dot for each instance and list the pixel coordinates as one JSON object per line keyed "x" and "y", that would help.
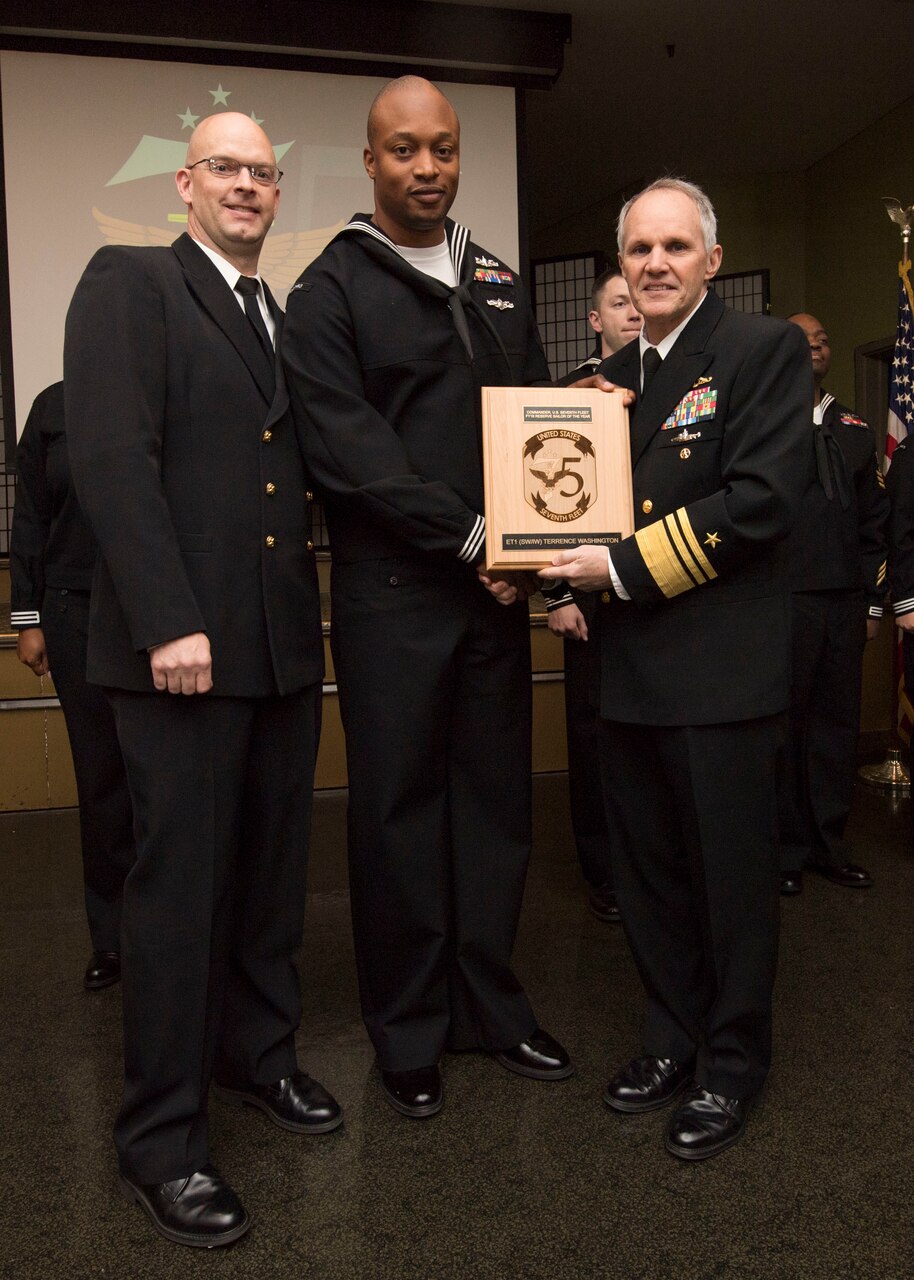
{"x": 706, "y": 214}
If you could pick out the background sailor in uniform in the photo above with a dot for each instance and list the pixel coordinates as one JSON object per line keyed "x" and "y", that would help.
{"x": 695, "y": 666}
{"x": 52, "y": 556}
{"x": 613, "y": 319}
{"x": 836, "y": 563}
{"x": 574, "y": 618}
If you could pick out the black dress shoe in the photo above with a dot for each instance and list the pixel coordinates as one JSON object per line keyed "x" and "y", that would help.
{"x": 647, "y": 1083}
{"x": 201, "y": 1211}
{"x": 103, "y": 970}
{"x": 296, "y": 1103}
{"x": 539, "y": 1057}
{"x": 602, "y": 902}
{"x": 705, "y": 1124}
{"x": 415, "y": 1093}
{"x": 791, "y": 883}
{"x": 849, "y": 876}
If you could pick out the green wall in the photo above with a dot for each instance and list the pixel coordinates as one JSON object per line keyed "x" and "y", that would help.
{"x": 852, "y": 248}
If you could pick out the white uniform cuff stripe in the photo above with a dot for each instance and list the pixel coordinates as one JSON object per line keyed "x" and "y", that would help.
{"x": 25, "y": 618}
{"x": 470, "y": 549}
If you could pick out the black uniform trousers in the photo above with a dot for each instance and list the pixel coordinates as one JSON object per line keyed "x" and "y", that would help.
{"x": 585, "y": 790}
{"x": 213, "y": 909}
{"x": 434, "y": 683}
{"x": 692, "y": 822}
{"x": 105, "y": 816}
{"x": 816, "y": 778}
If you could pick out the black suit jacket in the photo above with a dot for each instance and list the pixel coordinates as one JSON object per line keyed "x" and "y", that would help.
{"x": 177, "y": 423}
{"x": 719, "y": 449}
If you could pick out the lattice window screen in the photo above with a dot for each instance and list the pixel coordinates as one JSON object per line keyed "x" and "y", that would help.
{"x": 745, "y": 291}
{"x": 561, "y": 301}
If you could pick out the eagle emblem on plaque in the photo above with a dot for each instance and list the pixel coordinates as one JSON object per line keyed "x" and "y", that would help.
{"x": 560, "y": 474}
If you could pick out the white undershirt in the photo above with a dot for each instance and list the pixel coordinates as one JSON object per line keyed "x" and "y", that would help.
{"x": 434, "y": 261}
{"x": 231, "y": 275}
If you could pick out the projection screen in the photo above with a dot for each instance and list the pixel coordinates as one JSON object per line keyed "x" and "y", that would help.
{"x": 91, "y": 145}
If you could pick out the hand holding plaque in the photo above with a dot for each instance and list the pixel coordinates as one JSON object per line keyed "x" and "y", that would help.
{"x": 557, "y": 467}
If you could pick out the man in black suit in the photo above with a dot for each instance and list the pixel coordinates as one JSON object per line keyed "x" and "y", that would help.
{"x": 205, "y": 631}
{"x": 390, "y": 334}
{"x": 695, "y": 666}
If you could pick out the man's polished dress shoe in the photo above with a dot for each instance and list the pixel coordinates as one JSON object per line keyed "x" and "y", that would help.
{"x": 602, "y": 902}
{"x": 296, "y": 1103}
{"x": 647, "y": 1083}
{"x": 539, "y": 1057}
{"x": 201, "y": 1210}
{"x": 103, "y": 970}
{"x": 416, "y": 1093}
{"x": 705, "y": 1124}
{"x": 791, "y": 883}
{"x": 850, "y": 876}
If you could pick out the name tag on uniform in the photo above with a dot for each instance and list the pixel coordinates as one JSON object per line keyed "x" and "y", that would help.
{"x": 695, "y": 406}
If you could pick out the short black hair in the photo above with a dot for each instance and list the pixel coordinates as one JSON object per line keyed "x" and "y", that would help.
{"x": 600, "y": 284}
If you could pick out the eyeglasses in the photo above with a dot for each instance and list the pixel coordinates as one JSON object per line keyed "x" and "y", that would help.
{"x": 266, "y": 174}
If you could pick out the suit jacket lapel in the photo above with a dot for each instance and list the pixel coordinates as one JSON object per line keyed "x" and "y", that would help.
{"x": 681, "y": 369}
{"x": 215, "y": 297}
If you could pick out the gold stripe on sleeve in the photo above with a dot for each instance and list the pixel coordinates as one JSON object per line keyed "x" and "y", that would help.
{"x": 689, "y": 532}
{"x": 692, "y": 569}
{"x": 661, "y": 560}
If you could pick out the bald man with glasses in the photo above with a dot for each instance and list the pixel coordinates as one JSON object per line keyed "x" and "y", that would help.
{"x": 206, "y": 635}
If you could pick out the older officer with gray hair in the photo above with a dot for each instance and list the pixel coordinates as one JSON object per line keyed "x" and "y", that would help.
{"x": 695, "y": 671}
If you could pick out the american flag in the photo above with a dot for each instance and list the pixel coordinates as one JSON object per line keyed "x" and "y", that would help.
{"x": 901, "y": 424}
{"x": 901, "y": 382}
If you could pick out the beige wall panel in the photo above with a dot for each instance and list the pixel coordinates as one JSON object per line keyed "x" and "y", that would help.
{"x": 549, "y": 744}
{"x": 36, "y": 771}
{"x": 546, "y": 650}
{"x": 331, "y": 758}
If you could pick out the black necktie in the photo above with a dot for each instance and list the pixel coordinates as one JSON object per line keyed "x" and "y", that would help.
{"x": 248, "y": 288}
{"x": 650, "y": 363}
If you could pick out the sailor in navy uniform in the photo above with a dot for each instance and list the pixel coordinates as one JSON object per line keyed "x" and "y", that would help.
{"x": 836, "y": 563}
{"x": 573, "y": 616}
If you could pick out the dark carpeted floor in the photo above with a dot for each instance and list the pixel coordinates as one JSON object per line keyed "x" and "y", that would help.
{"x": 513, "y": 1178}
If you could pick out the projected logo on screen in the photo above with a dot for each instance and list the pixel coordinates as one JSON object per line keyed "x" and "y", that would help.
{"x": 284, "y": 257}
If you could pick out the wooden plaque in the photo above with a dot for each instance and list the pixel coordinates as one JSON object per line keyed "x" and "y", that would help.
{"x": 558, "y": 472}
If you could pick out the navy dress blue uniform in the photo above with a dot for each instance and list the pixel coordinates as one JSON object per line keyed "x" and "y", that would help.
{"x": 385, "y": 366}
{"x": 695, "y": 676}
{"x": 52, "y": 556}
{"x": 187, "y": 466}
{"x": 837, "y": 567}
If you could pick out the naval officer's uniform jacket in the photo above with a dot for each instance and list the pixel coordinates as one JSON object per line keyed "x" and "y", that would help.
{"x": 694, "y": 671}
